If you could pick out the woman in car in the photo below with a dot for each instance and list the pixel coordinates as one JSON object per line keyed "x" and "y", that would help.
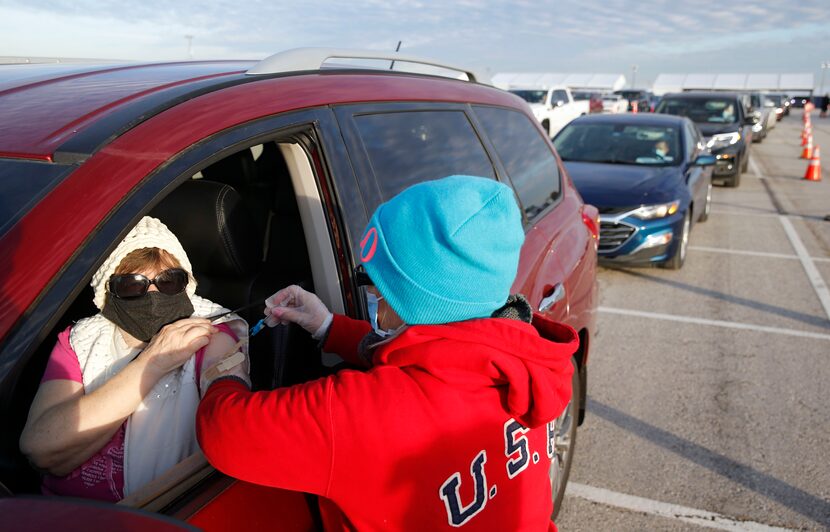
{"x": 116, "y": 405}
{"x": 661, "y": 150}
{"x": 452, "y": 422}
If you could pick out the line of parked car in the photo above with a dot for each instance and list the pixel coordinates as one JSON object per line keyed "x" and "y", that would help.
{"x": 650, "y": 174}
{"x": 650, "y": 197}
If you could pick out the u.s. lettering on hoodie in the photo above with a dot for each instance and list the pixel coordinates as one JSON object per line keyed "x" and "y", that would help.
{"x": 449, "y": 428}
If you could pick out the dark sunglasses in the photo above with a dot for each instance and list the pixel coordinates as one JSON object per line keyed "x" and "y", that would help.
{"x": 133, "y": 285}
{"x": 361, "y": 277}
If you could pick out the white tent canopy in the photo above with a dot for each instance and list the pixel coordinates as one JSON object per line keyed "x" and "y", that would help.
{"x": 789, "y": 83}
{"x": 546, "y": 80}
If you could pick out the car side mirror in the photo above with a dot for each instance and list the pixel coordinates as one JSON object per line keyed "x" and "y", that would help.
{"x": 752, "y": 119}
{"x": 560, "y": 103}
{"x": 704, "y": 160}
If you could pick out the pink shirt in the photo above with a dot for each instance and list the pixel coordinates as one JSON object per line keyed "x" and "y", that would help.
{"x": 102, "y": 475}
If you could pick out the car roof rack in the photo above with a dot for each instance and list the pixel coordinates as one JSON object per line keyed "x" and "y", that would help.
{"x": 314, "y": 58}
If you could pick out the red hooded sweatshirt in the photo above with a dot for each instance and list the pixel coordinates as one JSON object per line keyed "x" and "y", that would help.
{"x": 449, "y": 428}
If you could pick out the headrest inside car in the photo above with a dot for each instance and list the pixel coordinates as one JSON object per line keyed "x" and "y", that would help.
{"x": 213, "y": 227}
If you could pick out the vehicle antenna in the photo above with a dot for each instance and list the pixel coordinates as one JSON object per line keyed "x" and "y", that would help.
{"x": 398, "y": 49}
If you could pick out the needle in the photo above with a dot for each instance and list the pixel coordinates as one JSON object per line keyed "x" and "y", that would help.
{"x": 258, "y": 327}
{"x": 240, "y": 309}
{"x": 255, "y": 329}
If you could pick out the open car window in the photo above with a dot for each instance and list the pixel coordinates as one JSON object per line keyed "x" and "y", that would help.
{"x": 273, "y": 207}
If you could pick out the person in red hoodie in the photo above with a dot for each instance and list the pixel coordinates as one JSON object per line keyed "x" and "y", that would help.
{"x": 451, "y": 424}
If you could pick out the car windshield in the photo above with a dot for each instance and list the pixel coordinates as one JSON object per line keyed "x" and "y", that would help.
{"x": 774, "y": 98}
{"x": 630, "y": 95}
{"x": 579, "y": 95}
{"x": 531, "y": 96}
{"x": 701, "y": 110}
{"x": 619, "y": 144}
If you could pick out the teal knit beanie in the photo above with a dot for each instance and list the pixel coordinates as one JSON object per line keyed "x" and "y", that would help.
{"x": 445, "y": 250}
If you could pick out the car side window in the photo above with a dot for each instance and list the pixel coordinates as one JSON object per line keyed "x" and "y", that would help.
{"x": 526, "y": 156}
{"x": 409, "y": 147}
{"x": 690, "y": 141}
{"x": 559, "y": 95}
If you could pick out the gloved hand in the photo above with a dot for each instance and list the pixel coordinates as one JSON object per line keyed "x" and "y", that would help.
{"x": 292, "y": 304}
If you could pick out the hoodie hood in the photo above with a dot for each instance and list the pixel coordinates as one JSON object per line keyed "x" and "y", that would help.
{"x": 535, "y": 370}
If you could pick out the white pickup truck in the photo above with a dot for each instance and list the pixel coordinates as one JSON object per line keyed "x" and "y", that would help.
{"x": 553, "y": 107}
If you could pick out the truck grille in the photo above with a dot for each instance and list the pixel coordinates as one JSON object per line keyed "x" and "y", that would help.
{"x": 613, "y": 235}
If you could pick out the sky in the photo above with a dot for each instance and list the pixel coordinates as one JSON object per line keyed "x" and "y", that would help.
{"x": 597, "y": 36}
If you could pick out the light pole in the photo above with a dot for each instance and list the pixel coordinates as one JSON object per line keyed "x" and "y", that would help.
{"x": 189, "y": 46}
{"x": 824, "y": 66}
{"x": 633, "y": 76}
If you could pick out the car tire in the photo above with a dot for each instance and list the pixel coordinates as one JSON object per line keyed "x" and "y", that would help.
{"x": 676, "y": 261}
{"x": 707, "y": 207}
{"x": 546, "y": 127}
{"x": 744, "y": 163}
{"x": 735, "y": 179}
{"x": 564, "y": 439}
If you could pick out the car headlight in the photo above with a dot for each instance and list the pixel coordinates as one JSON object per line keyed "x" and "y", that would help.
{"x": 757, "y": 128}
{"x": 661, "y": 210}
{"x": 723, "y": 139}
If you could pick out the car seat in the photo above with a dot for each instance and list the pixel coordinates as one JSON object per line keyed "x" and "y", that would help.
{"x": 225, "y": 249}
{"x": 267, "y": 195}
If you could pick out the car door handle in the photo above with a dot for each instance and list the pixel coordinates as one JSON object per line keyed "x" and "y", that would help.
{"x": 557, "y": 295}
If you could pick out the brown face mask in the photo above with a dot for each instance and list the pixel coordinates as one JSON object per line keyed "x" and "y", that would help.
{"x": 143, "y": 317}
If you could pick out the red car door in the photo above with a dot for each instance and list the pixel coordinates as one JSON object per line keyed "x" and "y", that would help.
{"x": 553, "y": 271}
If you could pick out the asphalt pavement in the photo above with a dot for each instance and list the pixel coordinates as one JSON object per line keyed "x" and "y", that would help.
{"x": 708, "y": 403}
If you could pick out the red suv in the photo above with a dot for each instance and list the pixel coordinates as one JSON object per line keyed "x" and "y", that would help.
{"x": 267, "y": 172}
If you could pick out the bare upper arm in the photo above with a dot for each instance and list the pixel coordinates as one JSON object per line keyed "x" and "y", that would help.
{"x": 221, "y": 345}
{"x": 50, "y": 394}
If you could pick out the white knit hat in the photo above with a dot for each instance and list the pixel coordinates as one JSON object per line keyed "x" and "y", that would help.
{"x": 148, "y": 233}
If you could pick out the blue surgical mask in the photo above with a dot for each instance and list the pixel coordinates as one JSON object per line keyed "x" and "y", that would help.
{"x": 661, "y": 153}
{"x": 372, "y": 306}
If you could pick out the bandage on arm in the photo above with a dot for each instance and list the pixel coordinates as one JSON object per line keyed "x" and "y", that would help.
{"x": 231, "y": 361}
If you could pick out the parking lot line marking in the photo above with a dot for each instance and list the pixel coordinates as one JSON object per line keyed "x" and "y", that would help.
{"x": 663, "y": 509}
{"x": 743, "y": 252}
{"x": 738, "y": 213}
{"x": 714, "y": 323}
{"x": 807, "y": 263}
{"x": 755, "y": 170}
{"x": 754, "y": 253}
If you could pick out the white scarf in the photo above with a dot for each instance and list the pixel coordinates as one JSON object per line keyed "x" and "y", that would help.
{"x": 162, "y": 430}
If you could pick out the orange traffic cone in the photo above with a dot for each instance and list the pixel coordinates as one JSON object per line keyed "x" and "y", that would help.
{"x": 807, "y": 152}
{"x": 814, "y": 167}
{"x": 634, "y": 106}
{"x": 805, "y": 133}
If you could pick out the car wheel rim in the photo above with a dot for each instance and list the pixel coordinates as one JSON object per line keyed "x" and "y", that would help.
{"x": 561, "y": 449}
